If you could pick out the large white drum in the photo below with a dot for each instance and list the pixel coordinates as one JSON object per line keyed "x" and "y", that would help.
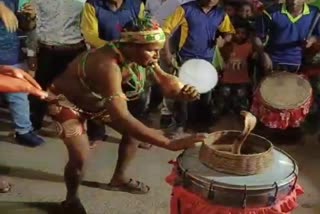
{"x": 260, "y": 190}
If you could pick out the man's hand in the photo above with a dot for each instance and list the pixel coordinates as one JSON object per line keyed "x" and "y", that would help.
{"x": 309, "y": 42}
{"x": 16, "y": 80}
{"x": 30, "y": 10}
{"x": 189, "y": 93}
{"x": 186, "y": 142}
{"x": 32, "y": 63}
{"x": 8, "y": 17}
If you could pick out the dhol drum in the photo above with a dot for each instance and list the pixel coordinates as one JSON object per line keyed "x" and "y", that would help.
{"x": 283, "y": 100}
{"x": 253, "y": 191}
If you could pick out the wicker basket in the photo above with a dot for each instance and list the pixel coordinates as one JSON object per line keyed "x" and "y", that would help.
{"x": 256, "y": 154}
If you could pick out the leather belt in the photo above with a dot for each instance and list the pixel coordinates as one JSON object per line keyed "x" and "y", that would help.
{"x": 67, "y": 47}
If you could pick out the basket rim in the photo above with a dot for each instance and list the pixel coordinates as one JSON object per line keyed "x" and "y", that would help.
{"x": 243, "y": 155}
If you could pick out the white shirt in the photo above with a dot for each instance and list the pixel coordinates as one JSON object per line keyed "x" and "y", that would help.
{"x": 161, "y": 9}
{"x": 59, "y": 21}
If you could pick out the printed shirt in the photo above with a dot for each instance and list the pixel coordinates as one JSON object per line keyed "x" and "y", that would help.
{"x": 58, "y": 21}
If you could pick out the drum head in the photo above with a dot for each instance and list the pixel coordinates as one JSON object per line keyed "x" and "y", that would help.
{"x": 283, "y": 171}
{"x": 200, "y": 74}
{"x": 285, "y": 90}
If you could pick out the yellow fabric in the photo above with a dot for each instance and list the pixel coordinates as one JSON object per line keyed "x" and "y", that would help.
{"x": 226, "y": 25}
{"x": 144, "y": 37}
{"x": 141, "y": 12}
{"x": 89, "y": 27}
{"x": 306, "y": 11}
{"x": 178, "y": 19}
{"x": 173, "y": 22}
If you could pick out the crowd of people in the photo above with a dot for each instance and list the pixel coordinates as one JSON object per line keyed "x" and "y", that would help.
{"x": 112, "y": 62}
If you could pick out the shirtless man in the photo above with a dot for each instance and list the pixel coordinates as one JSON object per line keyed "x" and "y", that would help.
{"x": 105, "y": 84}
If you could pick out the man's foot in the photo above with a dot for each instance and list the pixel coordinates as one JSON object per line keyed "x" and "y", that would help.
{"x": 5, "y": 186}
{"x": 145, "y": 146}
{"x": 95, "y": 141}
{"x": 29, "y": 139}
{"x": 132, "y": 186}
{"x": 74, "y": 207}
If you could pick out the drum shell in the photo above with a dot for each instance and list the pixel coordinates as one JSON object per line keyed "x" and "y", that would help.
{"x": 264, "y": 190}
{"x": 237, "y": 197}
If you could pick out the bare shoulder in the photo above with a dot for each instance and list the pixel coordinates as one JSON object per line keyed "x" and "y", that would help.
{"x": 103, "y": 70}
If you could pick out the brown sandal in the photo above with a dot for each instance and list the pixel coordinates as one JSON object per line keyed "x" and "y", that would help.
{"x": 5, "y": 186}
{"x": 133, "y": 186}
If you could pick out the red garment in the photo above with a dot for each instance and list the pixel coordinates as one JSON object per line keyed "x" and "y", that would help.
{"x": 236, "y": 53}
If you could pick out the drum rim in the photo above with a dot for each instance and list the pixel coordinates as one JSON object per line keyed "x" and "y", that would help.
{"x": 205, "y": 182}
{"x": 275, "y": 107}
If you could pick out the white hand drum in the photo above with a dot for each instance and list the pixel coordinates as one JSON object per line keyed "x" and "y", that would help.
{"x": 200, "y": 74}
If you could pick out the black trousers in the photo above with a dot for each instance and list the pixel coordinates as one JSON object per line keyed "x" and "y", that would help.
{"x": 193, "y": 112}
{"x": 51, "y": 63}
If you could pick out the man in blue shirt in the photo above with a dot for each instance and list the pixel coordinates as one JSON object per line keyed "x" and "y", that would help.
{"x": 284, "y": 29}
{"x": 10, "y": 50}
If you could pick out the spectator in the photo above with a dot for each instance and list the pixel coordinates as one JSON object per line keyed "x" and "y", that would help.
{"x": 10, "y": 54}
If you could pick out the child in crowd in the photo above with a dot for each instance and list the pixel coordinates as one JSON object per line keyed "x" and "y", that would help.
{"x": 234, "y": 91}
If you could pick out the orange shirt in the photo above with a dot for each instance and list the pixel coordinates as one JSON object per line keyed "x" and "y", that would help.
{"x": 233, "y": 52}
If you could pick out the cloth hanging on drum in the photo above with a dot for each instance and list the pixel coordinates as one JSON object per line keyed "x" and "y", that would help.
{"x": 283, "y": 100}
{"x": 185, "y": 202}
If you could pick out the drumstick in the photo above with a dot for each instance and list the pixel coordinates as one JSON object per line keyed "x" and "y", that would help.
{"x": 313, "y": 26}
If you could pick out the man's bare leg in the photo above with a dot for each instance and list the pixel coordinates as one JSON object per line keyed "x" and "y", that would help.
{"x": 78, "y": 151}
{"x": 127, "y": 150}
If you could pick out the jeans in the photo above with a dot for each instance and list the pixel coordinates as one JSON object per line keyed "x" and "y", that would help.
{"x": 19, "y": 109}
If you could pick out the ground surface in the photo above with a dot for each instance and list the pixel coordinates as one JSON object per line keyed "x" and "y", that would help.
{"x": 38, "y": 183}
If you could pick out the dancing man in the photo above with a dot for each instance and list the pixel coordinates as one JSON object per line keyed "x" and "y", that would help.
{"x": 106, "y": 84}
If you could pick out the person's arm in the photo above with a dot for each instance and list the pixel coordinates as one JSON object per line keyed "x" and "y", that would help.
{"x": 8, "y": 17}
{"x": 169, "y": 26}
{"x": 172, "y": 87}
{"x": 89, "y": 26}
{"x": 120, "y": 115}
{"x": 27, "y": 18}
{"x": 14, "y": 80}
{"x": 315, "y": 35}
{"x": 262, "y": 28}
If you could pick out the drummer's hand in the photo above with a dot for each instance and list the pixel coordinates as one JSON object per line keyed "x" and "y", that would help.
{"x": 267, "y": 62}
{"x": 8, "y": 18}
{"x": 189, "y": 93}
{"x": 309, "y": 42}
{"x": 186, "y": 142}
